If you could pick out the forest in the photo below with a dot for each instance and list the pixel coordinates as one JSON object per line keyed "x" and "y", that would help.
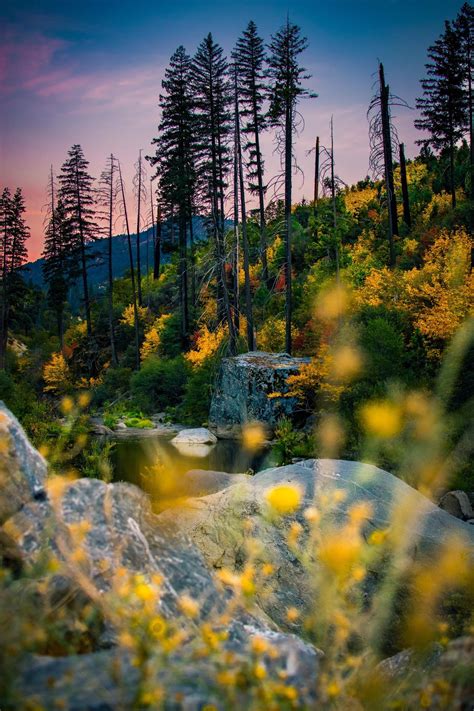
{"x": 138, "y": 302}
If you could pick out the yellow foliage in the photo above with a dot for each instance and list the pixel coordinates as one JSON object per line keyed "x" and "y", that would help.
{"x": 316, "y": 376}
{"x": 56, "y": 374}
{"x": 441, "y": 293}
{"x": 207, "y": 344}
{"x": 355, "y": 200}
{"x": 381, "y": 286}
{"x": 128, "y": 316}
{"x": 152, "y": 339}
{"x": 271, "y": 336}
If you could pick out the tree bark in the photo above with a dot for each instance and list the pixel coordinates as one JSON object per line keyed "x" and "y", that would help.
{"x": 157, "y": 244}
{"x": 388, "y": 162}
{"x": 132, "y": 274}
{"x": 288, "y": 186}
{"x": 110, "y": 266}
{"x": 139, "y": 200}
{"x": 248, "y": 295}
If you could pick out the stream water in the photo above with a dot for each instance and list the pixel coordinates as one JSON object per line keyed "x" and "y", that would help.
{"x": 154, "y": 463}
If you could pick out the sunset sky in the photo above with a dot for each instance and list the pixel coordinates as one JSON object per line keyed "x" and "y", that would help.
{"x": 90, "y": 72}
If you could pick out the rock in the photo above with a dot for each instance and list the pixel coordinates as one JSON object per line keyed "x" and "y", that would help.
{"x": 121, "y": 426}
{"x": 251, "y": 387}
{"x": 202, "y": 482}
{"x": 201, "y": 451}
{"x": 214, "y": 522}
{"x": 457, "y": 504}
{"x": 108, "y": 680}
{"x": 22, "y": 468}
{"x": 199, "y": 435}
{"x": 123, "y": 532}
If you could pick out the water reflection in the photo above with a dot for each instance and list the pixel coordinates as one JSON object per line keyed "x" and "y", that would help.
{"x": 158, "y": 466}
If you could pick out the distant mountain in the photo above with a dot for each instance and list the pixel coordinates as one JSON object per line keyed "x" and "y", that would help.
{"x": 98, "y": 269}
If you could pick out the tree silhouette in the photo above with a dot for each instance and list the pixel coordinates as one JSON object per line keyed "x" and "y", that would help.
{"x": 285, "y": 91}
{"x": 13, "y": 255}
{"x": 78, "y": 197}
{"x": 443, "y": 107}
{"x": 249, "y": 58}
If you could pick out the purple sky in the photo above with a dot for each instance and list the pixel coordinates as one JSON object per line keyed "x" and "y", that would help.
{"x": 90, "y": 73}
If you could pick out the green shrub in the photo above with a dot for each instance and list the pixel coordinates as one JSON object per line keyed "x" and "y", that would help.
{"x": 198, "y": 391}
{"x": 139, "y": 423}
{"x": 115, "y": 382}
{"x": 159, "y": 383}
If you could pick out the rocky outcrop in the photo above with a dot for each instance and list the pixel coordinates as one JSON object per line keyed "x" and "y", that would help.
{"x": 22, "y": 468}
{"x": 252, "y": 387}
{"x": 120, "y": 531}
{"x": 214, "y": 522}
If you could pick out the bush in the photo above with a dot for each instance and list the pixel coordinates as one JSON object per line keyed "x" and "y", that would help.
{"x": 198, "y": 391}
{"x": 159, "y": 384}
{"x": 115, "y": 383}
{"x": 7, "y": 387}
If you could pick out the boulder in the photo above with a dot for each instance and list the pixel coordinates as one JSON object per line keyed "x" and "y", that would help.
{"x": 123, "y": 532}
{"x": 457, "y": 503}
{"x": 252, "y": 387}
{"x": 214, "y": 522}
{"x": 198, "y": 435}
{"x": 22, "y": 468}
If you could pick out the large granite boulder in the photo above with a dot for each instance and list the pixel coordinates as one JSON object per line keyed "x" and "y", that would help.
{"x": 252, "y": 387}
{"x": 214, "y": 522}
{"x": 74, "y": 540}
{"x": 22, "y": 468}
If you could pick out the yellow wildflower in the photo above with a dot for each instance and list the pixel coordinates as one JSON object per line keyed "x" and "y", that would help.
{"x": 381, "y": 419}
{"x": 284, "y": 499}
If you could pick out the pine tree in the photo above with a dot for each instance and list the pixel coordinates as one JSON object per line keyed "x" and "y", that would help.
{"x": 240, "y": 170}
{"x": 212, "y": 99}
{"x": 13, "y": 254}
{"x": 285, "y": 92}
{"x": 464, "y": 27}
{"x": 174, "y": 160}
{"x": 444, "y": 105}
{"x": 56, "y": 255}
{"x": 108, "y": 198}
{"x": 77, "y": 195}
{"x": 249, "y": 58}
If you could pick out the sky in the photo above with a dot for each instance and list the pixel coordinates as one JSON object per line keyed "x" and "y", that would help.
{"x": 90, "y": 72}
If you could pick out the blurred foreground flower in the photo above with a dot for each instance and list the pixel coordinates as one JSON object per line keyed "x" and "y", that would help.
{"x": 283, "y": 499}
{"x": 381, "y": 419}
{"x": 253, "y": 436}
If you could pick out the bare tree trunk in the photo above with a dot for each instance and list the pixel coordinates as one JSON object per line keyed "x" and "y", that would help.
{"x": 235, "y": 265}
{"x": 183, "y": 280}
{"x": 132, "y": 273}
{"x": 388, "y": 161}
{"x": 316, "y": 174}
{"x": 248, "y": 295}
{"x": 333, "y": 198}
{"x": 288, "y": 182}
{"x": 157, "y": 243}
{"x": 261, "y": 190}
{"x": 403, "y": 177}
{"x": 139, "y": 201}
{"x": 83, "y": 259}
{"x": 193, "y": 254}
{"x": 113, "y": 350}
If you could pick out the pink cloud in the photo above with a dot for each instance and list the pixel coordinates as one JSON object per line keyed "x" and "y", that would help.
{"x": 25, "y": 59}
